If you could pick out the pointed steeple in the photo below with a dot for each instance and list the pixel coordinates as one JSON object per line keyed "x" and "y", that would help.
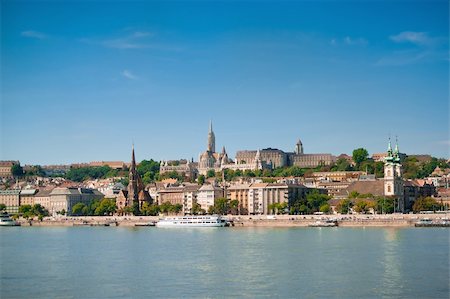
{"x": 396, "y": 151}
{"x": 389, "y": 146}
{"x": 389, "y": 156}
{"x": 211, "y": 139}
{"x": 396, "y": 145}
{"x": 133, "y": 160}
{"x": 133, "y": 184}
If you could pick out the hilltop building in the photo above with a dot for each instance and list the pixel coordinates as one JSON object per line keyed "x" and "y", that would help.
{"x": 210, "y": 160}
{"x": 5, "y": 168}
{"x": 278, "y": 158}
{"x": 186, "y": 168}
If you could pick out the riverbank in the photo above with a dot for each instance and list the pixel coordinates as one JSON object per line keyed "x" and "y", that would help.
{"x": 393, "y": 220}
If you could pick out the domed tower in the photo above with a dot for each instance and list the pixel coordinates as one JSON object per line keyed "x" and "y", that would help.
{"x": 211, "y": 139}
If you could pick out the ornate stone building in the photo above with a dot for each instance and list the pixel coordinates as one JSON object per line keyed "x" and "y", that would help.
{"x": 135, "y": 192}
{"x": 210, "y": 160}
{"x": 184, "y": 167}
{"x": 278, "y": 158}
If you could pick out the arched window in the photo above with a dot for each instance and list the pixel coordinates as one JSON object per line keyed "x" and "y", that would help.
{"x": 388, "y": 173}
{"x": 389, "y": 188}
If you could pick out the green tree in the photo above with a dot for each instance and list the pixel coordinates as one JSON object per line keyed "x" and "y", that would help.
{"x": 315, "y": 200}
{"x": 361, "y": 206}
{"x": 85, "y": 173}
{"x": 249, "y": 173}
{"x": 136, "y": 210}
{"x": 196, "y": 209}
{"x": 25, "y": 211}
{"x": 325, "y": 208}
{"x": 165, "y": 207}
{"x": 128, "y": 210}
{"x": 37, "y": 210}
{"x": 211, "y": 173}
{"x": 35, "y": 170}
{"x": 272, "y": 208}
{"x": 221, "y": 206}
{"x": 176, "y": 208}
{"x": 360, "y": 155}
{"x": 17, "y": 170}
{"x": 212, "y": 210}
{"x": 384, "y": 205}
{"x": 426, "y": 204}
{"x": 148, "y": 166}
{"x": 201, "y": 179}
{"x": 172, "y": 175}
{"x": 354, "y": 194}
{"x": 344, "y": 205}
{"x": 79, "y": 209}
{"x": 106, "y": 207}
{"x": 234, "y": 206}
{"x": 341, "y": 165}
{"x": 2, "y": 207}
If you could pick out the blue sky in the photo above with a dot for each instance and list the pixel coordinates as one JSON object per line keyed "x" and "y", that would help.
{"x": 82, "y": 80}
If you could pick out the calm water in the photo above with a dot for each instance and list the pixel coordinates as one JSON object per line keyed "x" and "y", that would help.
{"x": 107, "y": 262}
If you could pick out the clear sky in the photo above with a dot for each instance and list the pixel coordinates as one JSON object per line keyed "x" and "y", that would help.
{"x": 82, "y": 80}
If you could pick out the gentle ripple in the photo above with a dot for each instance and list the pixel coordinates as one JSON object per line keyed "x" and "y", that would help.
{"x": 107, "y": 262}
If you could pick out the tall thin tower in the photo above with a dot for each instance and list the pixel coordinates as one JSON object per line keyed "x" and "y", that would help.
{"x": 211, "y": 139}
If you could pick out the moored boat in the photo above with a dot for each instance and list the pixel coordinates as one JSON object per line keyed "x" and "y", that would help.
{"x": 326, "y": 223}
{"x": 427, "y": 222}
{"x": 5, "y": 220}
{"x": 192, "y": 221}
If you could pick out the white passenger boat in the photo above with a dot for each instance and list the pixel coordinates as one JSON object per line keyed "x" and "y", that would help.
{"x": 326, "y": 223}
{"x": 5, "y": 220}
{"x": 192, "y": 221}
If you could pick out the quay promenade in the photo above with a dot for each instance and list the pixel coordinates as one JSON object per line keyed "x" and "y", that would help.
{"x": 360, "y": 220}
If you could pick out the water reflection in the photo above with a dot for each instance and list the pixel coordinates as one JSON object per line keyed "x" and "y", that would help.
{"x": 392, "y": 283}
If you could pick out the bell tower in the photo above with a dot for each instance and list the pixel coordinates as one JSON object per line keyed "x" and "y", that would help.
{"x": 393, "y": 181}
{"x": 299, "y": 147}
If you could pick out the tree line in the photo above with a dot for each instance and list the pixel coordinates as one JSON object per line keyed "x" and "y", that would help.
{"x": 149, "y": 170}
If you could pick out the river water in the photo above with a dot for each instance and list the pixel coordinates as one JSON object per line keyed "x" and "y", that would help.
{"x": 114, "y": 262}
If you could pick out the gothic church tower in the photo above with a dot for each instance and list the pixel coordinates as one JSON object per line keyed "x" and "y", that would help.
{"x": 211, "y": 139}
{"x": 133, "y": 185}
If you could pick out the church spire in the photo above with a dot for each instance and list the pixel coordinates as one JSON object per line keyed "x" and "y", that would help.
{"x": 396, "y": 145}
{"x": 396, "y": 151}
{"x": 211, "y": 139}
{"x": 133, "y": 177}
{"x": 389, "y": 148}
{"x": 133, "y": 160}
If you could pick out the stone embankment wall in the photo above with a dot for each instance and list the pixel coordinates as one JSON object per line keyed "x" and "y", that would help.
{"x": 397, "y": 220}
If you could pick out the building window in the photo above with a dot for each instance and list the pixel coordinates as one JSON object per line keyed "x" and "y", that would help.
{"x": 389, "y": 188}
